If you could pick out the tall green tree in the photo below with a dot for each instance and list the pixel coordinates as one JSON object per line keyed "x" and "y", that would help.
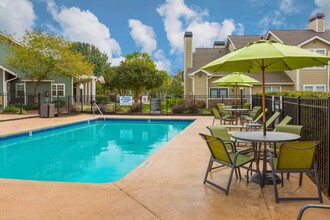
{"x": 93, "y": 55}
{"x": 138, "y": 72}
{"x": 164, "y": 87}
{"x": 176, "y": 87}
{"x": 41, "y": 56}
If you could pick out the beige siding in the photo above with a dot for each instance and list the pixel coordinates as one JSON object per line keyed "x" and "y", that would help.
{"x": 256, "y": 89}
{"x": 312, "y": 25}
{"x": 310, "y": 76}
{"x": 214, "y": 85}
{"x": 200, "y": 84}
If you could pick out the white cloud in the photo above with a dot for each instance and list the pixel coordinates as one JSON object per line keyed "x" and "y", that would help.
{"x": 178, "y": 18}
{"x": 324, "y": 7}
{"x": 143, "y": 35}
{"x": 84, "y": 26}
{"x": 161, "y": 62}
{"x": 240, "y": 29}
{"x": 288, "y": 6}
{"x": 276, "y": 17}
{"x": 16, "y": 16}
{"x": 116, "y": 61}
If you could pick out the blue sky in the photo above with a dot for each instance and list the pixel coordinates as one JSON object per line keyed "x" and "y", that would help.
{"x": 119, "y": 27}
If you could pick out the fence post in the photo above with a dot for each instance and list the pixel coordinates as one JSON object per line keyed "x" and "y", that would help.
{"x": 39, "y": 101}
{"x": 298, "y": 110}
{"x": 68, "y": 104}
{"x": 115, "y": 103}
{"x": 58, "y": 105}
{"x": 166, "y": 105}
{"x": 20, "y": 104}
{"x": 328, "y": 145}
{"x": 141, "y": 105}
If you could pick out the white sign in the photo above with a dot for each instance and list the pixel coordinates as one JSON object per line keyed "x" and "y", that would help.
{"x": 126, "y": 100}
{"x": 145, "y": 99}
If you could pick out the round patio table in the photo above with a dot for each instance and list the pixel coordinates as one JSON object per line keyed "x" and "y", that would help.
{"x": 237, "y": 110}
{"x": 256, "y": 137}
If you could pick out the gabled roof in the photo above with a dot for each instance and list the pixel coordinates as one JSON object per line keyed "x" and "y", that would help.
{"x": 203, "y": 56}
{"x": 296, "y": 37}
{"x": 239, "y": 41}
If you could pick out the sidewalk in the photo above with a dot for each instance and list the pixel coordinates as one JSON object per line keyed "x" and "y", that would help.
{"x": 171, "y": 187}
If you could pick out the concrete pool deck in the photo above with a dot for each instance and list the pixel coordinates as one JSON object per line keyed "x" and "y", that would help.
{"x": 167, "y": 186}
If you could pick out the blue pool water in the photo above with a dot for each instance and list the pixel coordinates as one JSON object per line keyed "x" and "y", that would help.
{"x": 90, "y": 152}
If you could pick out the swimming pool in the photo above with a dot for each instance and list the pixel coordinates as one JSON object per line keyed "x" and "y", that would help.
{"x": 97, "y": 151}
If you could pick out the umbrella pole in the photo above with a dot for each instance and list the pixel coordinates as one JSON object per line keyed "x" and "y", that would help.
{"x": 263, "y": 99}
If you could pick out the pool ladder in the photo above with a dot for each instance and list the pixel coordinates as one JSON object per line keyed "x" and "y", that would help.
{"x": 95, "y": 105}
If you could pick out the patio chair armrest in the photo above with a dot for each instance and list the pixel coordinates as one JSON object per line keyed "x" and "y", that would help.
{"x": 303, "y": 209}
{"x": 245, "y": 151}
{"x": 232, "y": 143}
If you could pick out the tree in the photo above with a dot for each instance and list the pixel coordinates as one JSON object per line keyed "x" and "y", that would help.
{"x": 41, "y": 56}
{"x": 176, "y": 87}
{"x": 138, "y": 72}
{"x": 93, "y": 55}
{"x": 164, "y": 87}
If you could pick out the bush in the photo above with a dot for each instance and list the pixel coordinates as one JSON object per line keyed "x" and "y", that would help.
{"x": 102, "y": 99}
{"x": 12, "y": 109}
{"x": 305, "y": 94}
{"x": 174, "y": 101}
{"x": 61, "y": 103}
{"x": 178, "y": 109}
{"x": 31, "y": 106}
{"x": 136, "y": 107}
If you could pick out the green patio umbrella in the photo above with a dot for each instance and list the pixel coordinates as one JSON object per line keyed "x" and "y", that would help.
{"x": 264, "y": 56}
{"x": 236, "y": 80}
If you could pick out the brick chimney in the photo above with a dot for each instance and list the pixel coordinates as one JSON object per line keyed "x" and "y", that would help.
{"x": 188, "y": 51}
{"x": 317, "y": 22}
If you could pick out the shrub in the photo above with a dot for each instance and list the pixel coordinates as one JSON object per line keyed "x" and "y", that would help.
{"x": 12, "y": 109}
{"x": 31, "y": 106}
{"x": 178, "y": 109}
{"x": 136, "y": 107}
{"x": 173, "y": 101}
{"x": 61, "y": 103}
{"x": 102, "y": 99}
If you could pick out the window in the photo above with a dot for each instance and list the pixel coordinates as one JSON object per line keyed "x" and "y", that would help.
{"x": 58, "y": 90}
{"x": 218, "y": 92}
{"x": 19, "y": 89}
{"x": 315, "y": 88}
{"x": 320, "y": 51}
{"x": 272, "y": 88}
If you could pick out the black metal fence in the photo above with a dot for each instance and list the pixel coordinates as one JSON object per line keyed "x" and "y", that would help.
{"x": 314, "y": 115}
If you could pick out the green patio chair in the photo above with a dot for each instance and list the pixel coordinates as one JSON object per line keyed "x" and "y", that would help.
{"x": 220, "y": 155}
{"x": 270, "y": 121}
{"x": 311, "y": 206}
{"x": 248, "y": 126}
{"x": 226, "y": 116}
{"x": 246, "y": 105}
{"x": 222, "y": 133}
{"x": 251, "y": 115}
{"x": 284, "y": 121}
{"x": 295, "y": 157}
{"x": 216, "y": 115}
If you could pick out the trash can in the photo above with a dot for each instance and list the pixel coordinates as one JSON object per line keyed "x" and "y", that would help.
{"x": 47, "y": 110}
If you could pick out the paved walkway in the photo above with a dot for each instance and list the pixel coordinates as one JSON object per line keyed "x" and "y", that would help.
{"x": 169, "y": 188}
